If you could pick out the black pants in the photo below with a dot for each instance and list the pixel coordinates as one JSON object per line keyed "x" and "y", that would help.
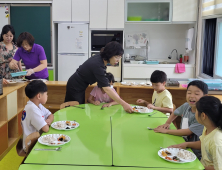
{"x": 73, "y": 95}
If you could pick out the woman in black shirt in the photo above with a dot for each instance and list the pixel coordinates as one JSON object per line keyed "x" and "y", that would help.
{"x": 94, "y": 70}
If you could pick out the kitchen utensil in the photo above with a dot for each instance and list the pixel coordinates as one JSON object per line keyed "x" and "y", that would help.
{"x": 79, "y": 107}
{"x": 56, "y": 149}
{"x": 149, "y": 128}
{"x": 152, "y": 114}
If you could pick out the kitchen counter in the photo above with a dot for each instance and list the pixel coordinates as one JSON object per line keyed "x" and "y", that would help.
{"x": 154, "y": 65}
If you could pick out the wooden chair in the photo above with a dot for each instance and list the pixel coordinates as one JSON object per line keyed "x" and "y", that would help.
{"x": 175, "y": 121}
{"x": 67, "y": 104}
{"x": 30, "y": 141}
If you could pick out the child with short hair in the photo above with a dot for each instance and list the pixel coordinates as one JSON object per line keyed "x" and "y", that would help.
{"x": 209, "y": 114}
{"x": 190, "y": 128}
{"x": 98, "y": 95}
{"x": 35, "y": 116}
{"x": 162, "y": 98}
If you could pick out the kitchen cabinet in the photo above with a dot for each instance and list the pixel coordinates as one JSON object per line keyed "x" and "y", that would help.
{"x": 185, "y": 11}
{"x": 144, "y": 71}
{"x": 148, "y": 11}
{"x": 70, "y": 10}
{"x": 61, "y": 10}
{"x": 106, "y": 14}
{"x": 80, "y": 10}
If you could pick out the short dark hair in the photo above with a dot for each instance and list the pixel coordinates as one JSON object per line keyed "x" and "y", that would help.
{"x": 5, "y": 30}
{"x": 25, "y": 36}
{"x": 110, "y": 77}
{"x": 212, "y": 107}
{"x": 158, "y": 77}
{"x": 35, "y": 87}
{"x": 199, "y": 84}
{"x": 111, "y": 49}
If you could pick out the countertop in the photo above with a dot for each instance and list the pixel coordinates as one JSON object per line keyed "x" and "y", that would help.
{"x": 154, "y": 65}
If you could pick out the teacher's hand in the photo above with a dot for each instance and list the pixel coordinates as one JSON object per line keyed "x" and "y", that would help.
{"x": 30, "y": 72}
{"x": 127, "y": 108}
{"x": 5, "y": 81}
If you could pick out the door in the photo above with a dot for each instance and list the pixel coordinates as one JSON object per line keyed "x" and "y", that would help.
{"x": 98, "y": 14}
{"x": 72, "y": 38}
{"x": 68, "y": 63}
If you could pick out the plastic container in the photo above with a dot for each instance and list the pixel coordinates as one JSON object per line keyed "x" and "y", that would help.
{"x": 134, "y": 18}
{"x": 181, "y": 58}
{"x": 21, "y": 73}
{"x": 186, "y": 57}
{"x": 152, "y": 62}
{"x": 213, "y": 84}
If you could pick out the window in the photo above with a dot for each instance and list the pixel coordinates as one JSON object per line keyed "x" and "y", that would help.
{"x": 211, "y": 53}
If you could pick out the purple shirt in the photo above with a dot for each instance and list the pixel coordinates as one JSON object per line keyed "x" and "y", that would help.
{"x": 32, "y": 59}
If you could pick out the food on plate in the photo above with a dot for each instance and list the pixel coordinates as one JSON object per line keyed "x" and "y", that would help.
{"x": 175, "y": 158}
{"x": 168, "y": 158}
{"x": 167, "y": 152}
{"x": 74, "y": 124}
{"x": 67, "y": 128}
{"x": 68, "y": 123}
{"x": 164, "y": 153}
{"x": 185, "y": 155}
{"x": 48, "y": 139}
{"x": 60, "y": 125}
{"x": 141, "y": 109}
{"x": 62, "y": 138}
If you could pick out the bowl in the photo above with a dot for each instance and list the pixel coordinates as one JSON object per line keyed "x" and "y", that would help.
{"x": 136, "y": 62}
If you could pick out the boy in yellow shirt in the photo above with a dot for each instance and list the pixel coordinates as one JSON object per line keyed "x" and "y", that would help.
{"x": 162, "y": 98}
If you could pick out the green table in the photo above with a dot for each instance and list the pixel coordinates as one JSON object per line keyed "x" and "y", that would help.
{"x": 69, "y": 167}
{"x": 110, "y": 137}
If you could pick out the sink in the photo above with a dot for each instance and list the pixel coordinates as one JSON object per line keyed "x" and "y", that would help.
{"x": 168, "y": 62}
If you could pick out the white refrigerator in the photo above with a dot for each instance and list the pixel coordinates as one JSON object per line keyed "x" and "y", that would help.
{"x": 72, "y": 48}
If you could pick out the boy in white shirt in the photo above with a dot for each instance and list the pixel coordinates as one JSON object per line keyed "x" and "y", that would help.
{"x": 35, "y": 116}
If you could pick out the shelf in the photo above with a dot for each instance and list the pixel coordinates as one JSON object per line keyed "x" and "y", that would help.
{"x": 2, "y": 123}
{"x": 21, "y": 99}
{"x": 3, "y": 109}
{"x": 20, "y": 110}
{"x": 12, "y": 129}
{"x": 11, "y": 141}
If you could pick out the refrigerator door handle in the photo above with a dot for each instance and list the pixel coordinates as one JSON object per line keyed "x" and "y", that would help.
{"x": 73, "y": 54}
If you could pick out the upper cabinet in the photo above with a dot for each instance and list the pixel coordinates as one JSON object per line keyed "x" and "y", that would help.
{"x": 185, "y": 10}
{"x": 148, "y": 10}
{"x": 115, "y": 14}
{"x": 70, "y": 10}
{"x": 80, "y": 10}
{"x": 106, "y": 14}
{"x": 61, "y": 10}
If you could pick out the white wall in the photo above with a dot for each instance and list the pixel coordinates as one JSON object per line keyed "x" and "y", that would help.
{"x": 163, "y": 38}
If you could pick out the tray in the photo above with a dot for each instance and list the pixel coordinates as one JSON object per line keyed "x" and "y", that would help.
{"x": 21, "y": 73}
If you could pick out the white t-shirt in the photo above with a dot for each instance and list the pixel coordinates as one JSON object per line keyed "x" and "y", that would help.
{"x": 33, "y": 119}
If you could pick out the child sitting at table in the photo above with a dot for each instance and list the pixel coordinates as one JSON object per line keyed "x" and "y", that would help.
{"x": 98, "y": 95}
{"x": 162, "y": 98}
{"x": 190, "y": 128}
{"x": 35, "y": 116}
{"x": 209, "y": 114}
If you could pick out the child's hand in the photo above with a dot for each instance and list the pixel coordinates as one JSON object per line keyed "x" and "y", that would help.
{"x": 107, "y": 105}
{"x": 160, "y": 130}
{"x": 139, "y": 101}
{"x": 48, "y": 122}
{"x": 164, "y": 126}
{"x": 150, "y": 106}
{"x": 182, "y": 146}
{"x": 96, "y": 103}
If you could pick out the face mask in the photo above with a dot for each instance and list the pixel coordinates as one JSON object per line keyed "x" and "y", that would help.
{"x": 111, "y": 86}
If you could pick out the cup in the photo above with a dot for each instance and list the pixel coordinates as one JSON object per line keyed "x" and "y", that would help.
{"x": 127, "y": 56}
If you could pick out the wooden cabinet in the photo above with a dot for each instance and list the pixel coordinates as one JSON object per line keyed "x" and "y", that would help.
{"x": 80, "y": 10}
{"x": 185, "y": 11}
{"x": 61, "y": 10}
{"x": 12, "y": 103}
{"x": 106, "y": 14}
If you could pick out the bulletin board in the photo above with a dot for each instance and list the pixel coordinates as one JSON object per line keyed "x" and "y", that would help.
{"x": 35, "y": 20}
{"x": 4, "y": 16}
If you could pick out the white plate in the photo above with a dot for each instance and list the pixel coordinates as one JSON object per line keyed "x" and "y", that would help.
{"x": 56, "y": 142}
{"x": 174, "y": 152}
{"x": 11, "y": 81}
{"x": 142, "y": 109}
{"x": 44, "y": 80}
{"x": 54, "y": 125}
{"x": 21, "y": 80}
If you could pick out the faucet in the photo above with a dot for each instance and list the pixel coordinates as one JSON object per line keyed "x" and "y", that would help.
{"x": 170, "y": 56}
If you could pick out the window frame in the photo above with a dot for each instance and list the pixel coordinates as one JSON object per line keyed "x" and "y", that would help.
{"x": 219, "y": 20}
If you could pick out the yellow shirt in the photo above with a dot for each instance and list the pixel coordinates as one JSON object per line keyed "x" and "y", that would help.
{"x": 163, "y": 99}
{"x": 211, "y": 148}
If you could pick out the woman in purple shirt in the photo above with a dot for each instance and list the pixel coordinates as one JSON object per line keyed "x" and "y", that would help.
{"x": 33, "y": 57}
